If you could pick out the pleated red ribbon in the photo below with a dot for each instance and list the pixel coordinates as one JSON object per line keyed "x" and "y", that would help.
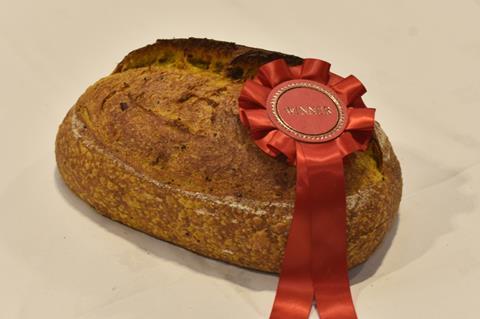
{"x": 315, "y": 260}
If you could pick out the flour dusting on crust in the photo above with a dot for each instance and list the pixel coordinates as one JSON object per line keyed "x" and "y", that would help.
{"x": 243, "y": 204}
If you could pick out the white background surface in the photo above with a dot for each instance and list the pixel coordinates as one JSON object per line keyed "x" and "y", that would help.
{"x": 420, "y": 61}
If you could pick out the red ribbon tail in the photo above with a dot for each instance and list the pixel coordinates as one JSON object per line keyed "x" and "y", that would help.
{"x": 315, "y": 262}
{"x": 295, "y": 291}
{"x": 329, "y": 234}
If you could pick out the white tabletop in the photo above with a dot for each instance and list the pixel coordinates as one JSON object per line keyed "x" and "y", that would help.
{"x": 420, "y": 61}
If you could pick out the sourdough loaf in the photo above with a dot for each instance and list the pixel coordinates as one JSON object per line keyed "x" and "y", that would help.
{"x": 158, "y": 146}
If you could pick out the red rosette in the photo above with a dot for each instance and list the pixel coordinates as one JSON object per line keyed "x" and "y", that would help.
{"x": 315, "y": 118}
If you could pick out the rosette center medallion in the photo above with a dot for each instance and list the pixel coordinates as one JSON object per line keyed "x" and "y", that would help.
{"x": 307, "y": 110}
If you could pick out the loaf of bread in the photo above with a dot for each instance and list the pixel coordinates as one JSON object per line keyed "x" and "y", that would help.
{"x": 158, "y": 146}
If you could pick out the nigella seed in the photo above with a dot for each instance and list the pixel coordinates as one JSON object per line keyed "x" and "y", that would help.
{"x": 123, "y": 106}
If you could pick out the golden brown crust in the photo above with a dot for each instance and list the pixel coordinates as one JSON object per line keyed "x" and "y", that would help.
{"x": 158, "y": 146}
